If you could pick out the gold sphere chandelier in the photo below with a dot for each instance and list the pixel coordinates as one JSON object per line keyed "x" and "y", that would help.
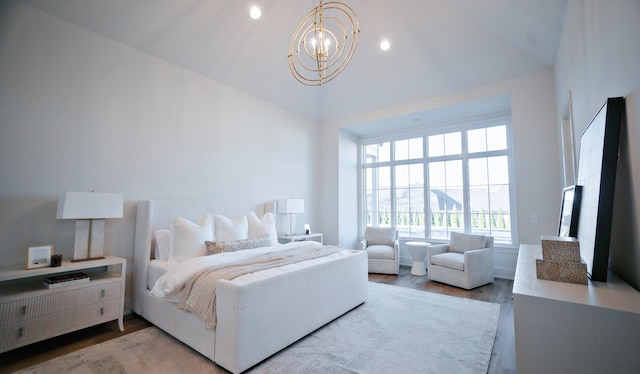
{"x": 323, "y": 44}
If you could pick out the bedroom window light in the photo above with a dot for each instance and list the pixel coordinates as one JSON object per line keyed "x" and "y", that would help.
{"x": 431, "y": 183}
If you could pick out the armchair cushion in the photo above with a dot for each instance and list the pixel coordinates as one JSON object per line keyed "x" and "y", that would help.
{"x": 381, "y": 236}
{"x": 381, "y": 252}
{"x": 461, "y": 243}
{"x": 451, "y": 260}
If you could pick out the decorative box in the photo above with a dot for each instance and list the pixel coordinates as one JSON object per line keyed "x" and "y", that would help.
{"x": 560, "y": 260}
{"x": 556, "y": 248}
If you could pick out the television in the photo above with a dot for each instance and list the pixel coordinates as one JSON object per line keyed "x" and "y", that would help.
{"x": 597, "y": 166}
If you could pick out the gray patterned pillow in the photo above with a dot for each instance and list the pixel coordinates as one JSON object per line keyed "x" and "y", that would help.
{"x": 236, "y": 245}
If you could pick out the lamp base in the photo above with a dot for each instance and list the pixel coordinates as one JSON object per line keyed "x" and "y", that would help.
{"x": 292, "y": 224}
{"x": 89, "y": 242}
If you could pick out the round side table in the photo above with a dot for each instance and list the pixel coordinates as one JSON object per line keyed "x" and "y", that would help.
{"x": 418, "y": 251}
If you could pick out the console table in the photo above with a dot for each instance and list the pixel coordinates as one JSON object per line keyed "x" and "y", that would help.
{"x": 571, "y": 328}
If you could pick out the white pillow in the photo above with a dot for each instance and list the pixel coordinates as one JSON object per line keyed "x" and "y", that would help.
{"x": 188, "y": 238}
{"x": 266, "y": 226}
{"x": 163, "y": 244}
{"x": 227, "y": 229}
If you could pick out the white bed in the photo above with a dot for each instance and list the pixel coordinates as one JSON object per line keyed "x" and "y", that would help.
{"x": 256, "y": 316}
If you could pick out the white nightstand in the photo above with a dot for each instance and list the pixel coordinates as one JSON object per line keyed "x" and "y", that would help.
{"x": 300, "y": 238}
{"x": 30, "y": 312}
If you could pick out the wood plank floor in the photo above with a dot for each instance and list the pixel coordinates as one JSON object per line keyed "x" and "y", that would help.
{"x": 502, "y": 357}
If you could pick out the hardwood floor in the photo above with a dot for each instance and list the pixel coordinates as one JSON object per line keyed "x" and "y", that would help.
{"x": 502, "y": 357}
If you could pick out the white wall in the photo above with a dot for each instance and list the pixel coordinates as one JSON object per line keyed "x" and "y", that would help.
{"x": 536, "y": 156}
{"x": 598, "y": 58}
{"x": 81, "y": 112}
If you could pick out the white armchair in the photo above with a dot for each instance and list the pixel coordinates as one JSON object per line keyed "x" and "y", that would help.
{"x": 466, "y": 262}
{"x": 382, "y": 247}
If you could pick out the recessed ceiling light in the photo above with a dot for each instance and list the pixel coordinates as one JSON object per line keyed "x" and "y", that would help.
{"x": 384, "y": 45}
{"x": 255, "y": 12}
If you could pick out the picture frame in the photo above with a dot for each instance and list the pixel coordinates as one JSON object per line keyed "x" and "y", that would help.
{"x": 39, "y": 257}
{"x": 597, "y": 167}
{"x": 570, "y": 211}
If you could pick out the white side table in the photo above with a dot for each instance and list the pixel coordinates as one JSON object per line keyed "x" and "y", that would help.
{"x": 300, "y": 238}
{"x": 418, "y": 251}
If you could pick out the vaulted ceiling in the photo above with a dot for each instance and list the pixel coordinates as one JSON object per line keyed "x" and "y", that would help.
{"x": 437, "y": 46}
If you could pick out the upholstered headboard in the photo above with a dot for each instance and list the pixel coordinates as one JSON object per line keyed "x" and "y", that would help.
{"x": 159, "y": 214}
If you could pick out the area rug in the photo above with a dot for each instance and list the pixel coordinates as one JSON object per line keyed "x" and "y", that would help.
{"x": 398, "y": 330}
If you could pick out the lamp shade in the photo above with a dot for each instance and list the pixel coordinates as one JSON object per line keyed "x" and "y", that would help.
{"x": 88, "y": 205}
{"x": 291, "y": 206}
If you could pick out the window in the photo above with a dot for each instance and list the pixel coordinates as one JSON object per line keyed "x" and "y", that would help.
{"x": 428, "y": 185}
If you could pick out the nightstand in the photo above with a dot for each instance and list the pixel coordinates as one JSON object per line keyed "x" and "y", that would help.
{"x": 300, "y": 238}
{"x": 31, "y": 312}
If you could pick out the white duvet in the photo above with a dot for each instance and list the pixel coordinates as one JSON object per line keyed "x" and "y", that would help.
{"x": 173, "y": 281}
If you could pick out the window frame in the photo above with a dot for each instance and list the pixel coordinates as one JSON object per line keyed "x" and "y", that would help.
{"x": 463, "y": 127}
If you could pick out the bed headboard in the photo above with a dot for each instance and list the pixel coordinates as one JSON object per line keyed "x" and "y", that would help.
{"x": 158, "y": 214}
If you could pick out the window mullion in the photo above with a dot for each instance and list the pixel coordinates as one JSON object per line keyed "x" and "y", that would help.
{"x": 466, "y": 193}
{"x": 392, "y": 173}
{"x": 426, "y": 189}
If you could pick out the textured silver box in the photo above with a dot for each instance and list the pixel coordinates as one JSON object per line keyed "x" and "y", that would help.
{"x": 561, "y": 271}
{"x": 556, "y": 248}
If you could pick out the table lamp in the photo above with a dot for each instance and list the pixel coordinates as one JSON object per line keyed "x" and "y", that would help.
{"x": 89, "y": 209}
{"x": 291, "y": 207}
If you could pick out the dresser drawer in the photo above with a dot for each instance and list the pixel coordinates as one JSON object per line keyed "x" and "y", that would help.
{"x": 23, "y": 332}
{"x": 34, "y": 329}
{"x": 103, "y": 311}
{"x": 58, "y": 300}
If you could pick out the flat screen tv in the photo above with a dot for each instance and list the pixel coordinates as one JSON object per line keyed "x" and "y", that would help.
{"x": 597, "y": 175}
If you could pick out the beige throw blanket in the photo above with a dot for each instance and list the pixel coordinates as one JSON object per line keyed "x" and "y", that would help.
{"x": 199, "y": 294}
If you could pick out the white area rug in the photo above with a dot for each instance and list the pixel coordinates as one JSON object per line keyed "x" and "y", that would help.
{"x": 398, "y": 330}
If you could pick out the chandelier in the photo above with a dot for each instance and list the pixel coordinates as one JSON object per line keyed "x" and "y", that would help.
{"x": 323, "y": 44}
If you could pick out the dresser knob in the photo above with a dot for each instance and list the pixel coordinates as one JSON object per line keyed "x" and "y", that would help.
{"x": 102, "y": 293}
{"x": 102, "y": 311}
{"x": 23, "y": 310}
{"x": 20, "y": 332}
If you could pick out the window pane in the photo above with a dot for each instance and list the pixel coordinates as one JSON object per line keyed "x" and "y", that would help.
{"x": 498, "y": 170}
{"x": 416, "y": 176}
{"x": 436, "y": 145}
{"x": 497, "y": 138}
{"x": 489, "y": 197}
{"x": 402, "y": 149}
{"x": 402, "y": 176}
{"x": 445, "y": 144}
{"x": 478, "y": 173}
{"x": 378, "y": 197}
{"x": 476, "y": 140}
{"x": 487, "y": 139}
{"x": 410, "y": 200}
{"x": 377, "y": 153}
{"x": 453, "y": 170}
{"x": 446, "y": 198}
{"x": 416, "y": 150}
{"x": 408, "y": 149}
{"x": 452, "y": 144}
